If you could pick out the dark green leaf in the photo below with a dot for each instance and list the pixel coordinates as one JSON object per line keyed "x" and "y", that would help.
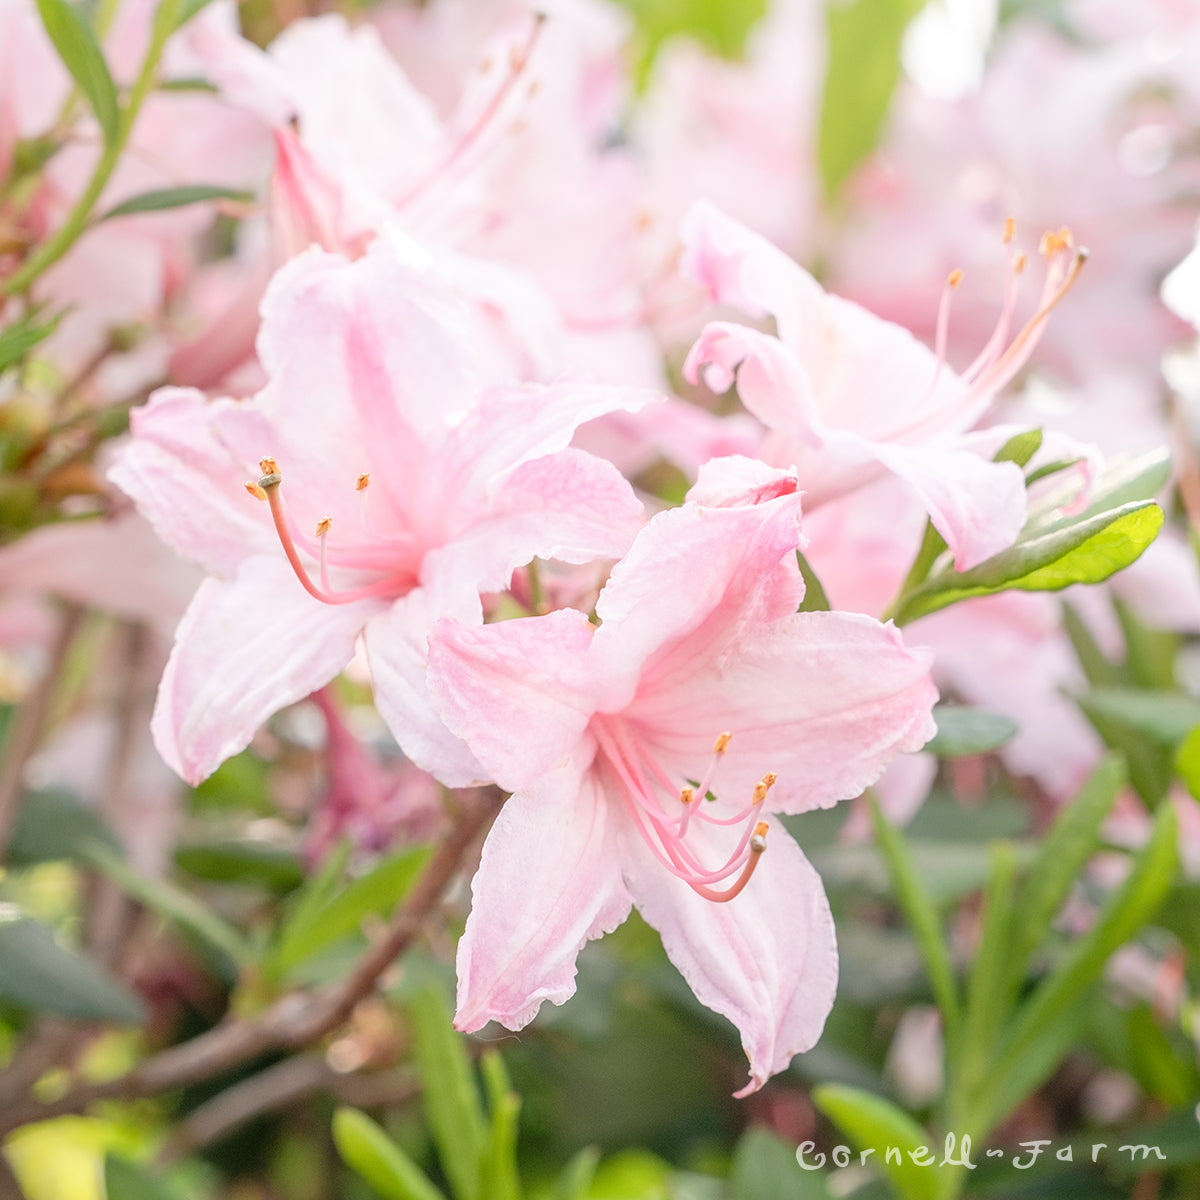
{"x": 53, "y": 824}
{"x": 248, "y": 862}
{"x": 166, "y": 198}
{"x": 38, "y": 974}
{"x": 1165, "y": 718}
{"x": 1099, "y": 670}
{"x": 966, "y": 731}
{"x": 81, "y": 55}
{"x": 864, "y": 64}
{"x": 124, "y": 1180}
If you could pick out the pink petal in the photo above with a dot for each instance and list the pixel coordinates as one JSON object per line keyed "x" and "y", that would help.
{"x": 188, "y": 483}
{"x": 825, "y": 700}
{"x": 766, "y": 959}
{"x": 693, "y": 568}
{"x": 520, "y": 692}
{"x": 397, "y": 650}
{"x": 548, "y": 882}
{"x": 246, "y": 647}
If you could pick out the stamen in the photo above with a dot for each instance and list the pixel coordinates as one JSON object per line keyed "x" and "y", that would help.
{"x": 269, "y": 487}
{"x": 758, "y": 844}
{"x": 943, "y": 325}
{"x": 1010, "y": 229}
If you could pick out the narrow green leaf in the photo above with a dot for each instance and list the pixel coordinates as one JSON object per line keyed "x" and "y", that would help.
{"x": 1149, "y": 653}
{"x": 1051, "y": 468}
{"x": 1099, "y": 670}
{"x": 1126, "y": 911}
{"x": 246, "y": 861}
{"x": 987, "y": 996}
{"x": 178, "y": 197}
{"x": 368, "y": 1151}
{"x": 500, "y": 1180}
{"x": 1187, "y": 762}
{"x": 218, "y": 943}
{"x": 453, "y": 1107}
{"x": 81, "y": 55}
{"x": 932, "y": 546}
{"x": 1020, "y": 448}
{"x": 17, "y": 340}
{"x": 1059, "y": 860}
{"x": 378, "y": 892}
{"x": 815, "y": 599}
{"x": 864, "y": 63}
{"x": 873, "y": 1123}
{"x": 1086, "y": 551}
{"x": 1164, "y": 718}
{"x": 1164, "y": 1070}
{"x": 576, "y": 1177}
{"x": 38, "y": 974}
{"x": 922, "y": 917}
{"x": 124, "y": 1180}
{"x": 966, "y": 731}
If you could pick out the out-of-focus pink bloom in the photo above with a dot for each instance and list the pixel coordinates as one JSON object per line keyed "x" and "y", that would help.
{"x": 849, "y": 396}
{"x": 603, "y": 735}
{"x": 373, "y": 378}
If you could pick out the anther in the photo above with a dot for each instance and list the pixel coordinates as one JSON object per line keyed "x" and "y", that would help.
{"x": 763, "y": 786}
{"x": 1019, "y": 264}
{"x": 686, "y": 795}
{"x": 255, "y": 490}
{"x": 1010, "y": 229}
{"x": 758, "y": 841}
{"x": 954, "y": 278}
{"x": 363, "y": 482}
{"x": 268, "y": 466}
{"x": 722, "y": 743}
{"x": 324, "y": 525}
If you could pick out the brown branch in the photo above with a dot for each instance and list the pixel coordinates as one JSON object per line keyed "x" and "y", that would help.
{"x": 276, "y": 1088}
{"x": 295, "y": 1020}
{"x": 23, "y": 738}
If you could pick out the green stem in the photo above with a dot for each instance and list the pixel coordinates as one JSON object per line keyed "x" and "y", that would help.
{"x": 76, "y": 223}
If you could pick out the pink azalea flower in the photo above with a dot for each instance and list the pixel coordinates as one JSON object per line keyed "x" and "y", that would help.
{"x": 602, "y": 734}
{"x": 373, "y": 379}
{"x": 849, "y": 396}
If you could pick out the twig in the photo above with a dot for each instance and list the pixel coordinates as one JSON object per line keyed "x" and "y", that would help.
{"x": 276, "y": 1088}
{"x": 23, "y": 738}
{"x": 292, "y": 1021}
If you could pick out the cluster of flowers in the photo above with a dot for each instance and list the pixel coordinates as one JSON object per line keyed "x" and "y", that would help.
{"x": 418, "y": 384}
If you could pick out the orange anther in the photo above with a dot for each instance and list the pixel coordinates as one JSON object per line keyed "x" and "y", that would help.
{"x": 363, "y": 481}
{"x": 254, "y": 490}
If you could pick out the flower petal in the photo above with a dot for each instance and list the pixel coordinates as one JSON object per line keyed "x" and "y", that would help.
{"x": 519, "y": 692}
{"x": 246, "y": 647}
{"x": 548, "y": 882}
{"x": 766, "y": 959}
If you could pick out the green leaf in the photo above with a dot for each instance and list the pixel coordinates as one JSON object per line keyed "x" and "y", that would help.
{"x": 1149, "y": 653}
{"x": 815, "y": 599}
{"x": 962, "y": 732}
{"x": 1099, "y": 670}
{"x": 248, "y": 862}
{"x": 500, "y": 1160}
{"x": 81, "y": 55}
{"x": 124, "y": 1180}
{"x": 313, "y": 928}
{"x": 368, "y": 1151}
{"x": 38, "y": 974}
{"x": 1126, "y": 911}
{"x": 1089, "y": 550}
{"x": 1059, "y": 860}
{"x": 1187, "y": 762}
{"x": 165, "y": 198}
{"x": 1020, "y": 448}
{"x": 765, "y": 1168}
{"x": 453, "y": 1108}
{"x": 1164, "y": 718}
{"x": 720, "y": 25}
{"x": 873, "y": 1123}
{"x": 1057, "y": 547}
{"x": 217, "y": 942}
{"x": 576, "y": 1177}
{"x": 53, "y": 824}
{"x": 1163, "y": 1069}
{"x": 864, "y": 64}
{"x": 17, "y": 340}
{"x": 922, "y": 917}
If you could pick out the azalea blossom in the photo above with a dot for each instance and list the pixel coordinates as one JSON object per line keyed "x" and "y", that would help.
{"x": 602, "y": 734}
{"x": 849, "y": 396}
{"x": 390, "y": 483}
